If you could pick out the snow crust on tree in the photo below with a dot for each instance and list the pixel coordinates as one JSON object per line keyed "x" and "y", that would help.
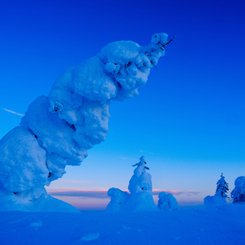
{"x": 238, "y": 194}
{"x": 167, "y": 201}
{"x": 23, "y": 166}
{"x": 58, "y": 130}
{"x": 220, "y": 197}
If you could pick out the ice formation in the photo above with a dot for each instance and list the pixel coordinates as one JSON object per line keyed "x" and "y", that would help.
{"x": 58, "y": 129}
{"x": 167, "y": 201}
{"x": 238, "y": 194}
{"x": 140, "y": 197}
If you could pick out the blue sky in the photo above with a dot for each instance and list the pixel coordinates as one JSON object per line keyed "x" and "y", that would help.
{"x": 189, "y": 119}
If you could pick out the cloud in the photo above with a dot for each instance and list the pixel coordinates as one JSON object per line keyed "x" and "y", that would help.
{"x": 100, "y": 194}
{"x": 13, "y": 112}
{"x": 178, "y": 193}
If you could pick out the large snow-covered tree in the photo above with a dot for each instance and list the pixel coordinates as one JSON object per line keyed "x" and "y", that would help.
{"x": 58, "y": 130}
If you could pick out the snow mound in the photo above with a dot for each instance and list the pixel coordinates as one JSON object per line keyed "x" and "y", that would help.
{"x": 214, "y": 201}
{"x": 44, "y": 203}
{"x": 167, "y": 201}
{"x": 118, "y": 199}
{"x": 90, "y": 237}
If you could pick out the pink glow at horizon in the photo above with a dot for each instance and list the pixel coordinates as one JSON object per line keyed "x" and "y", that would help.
{"x": 98, "y": 199}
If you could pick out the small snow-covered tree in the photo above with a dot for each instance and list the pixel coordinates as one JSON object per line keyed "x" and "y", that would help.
{"x": 220, "y": 197}
{"x": 238, "y": 194}
{"x": 140, "y": 197}
{"x": 140, "y": 188}
{"x": 222, "y": 187}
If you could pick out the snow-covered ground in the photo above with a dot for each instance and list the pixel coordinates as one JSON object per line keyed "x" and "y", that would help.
{"x": 187, "y": 225}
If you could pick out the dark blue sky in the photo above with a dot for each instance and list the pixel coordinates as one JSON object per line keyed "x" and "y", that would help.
{"x": 189, "y": 119}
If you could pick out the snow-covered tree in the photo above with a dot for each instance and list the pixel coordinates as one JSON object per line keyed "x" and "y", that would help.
{"x": 140, "y": 197}
{"x": 58, "y": 130}
{"x": 141, "y": 179}
{"x": 140, "y": 188}
{"x": 238, "y": 194}
{"x": 220, "y": 197}
{"x": 222, "y": 187}
{"x": 167, "y": 201}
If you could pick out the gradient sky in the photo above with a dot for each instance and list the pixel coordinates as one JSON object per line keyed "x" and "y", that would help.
{"x": 189, "y": 119}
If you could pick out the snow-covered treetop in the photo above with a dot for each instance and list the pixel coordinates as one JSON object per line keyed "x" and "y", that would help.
{"x": 141, "y": 166}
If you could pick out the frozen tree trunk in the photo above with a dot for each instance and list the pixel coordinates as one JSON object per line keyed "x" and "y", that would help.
{"x": 58, "y": 129}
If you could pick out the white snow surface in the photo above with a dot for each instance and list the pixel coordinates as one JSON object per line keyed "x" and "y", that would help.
{"x": 58, "y": 129}
{"x": 186, "y": 225}
{"x": 214, "y": 200}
